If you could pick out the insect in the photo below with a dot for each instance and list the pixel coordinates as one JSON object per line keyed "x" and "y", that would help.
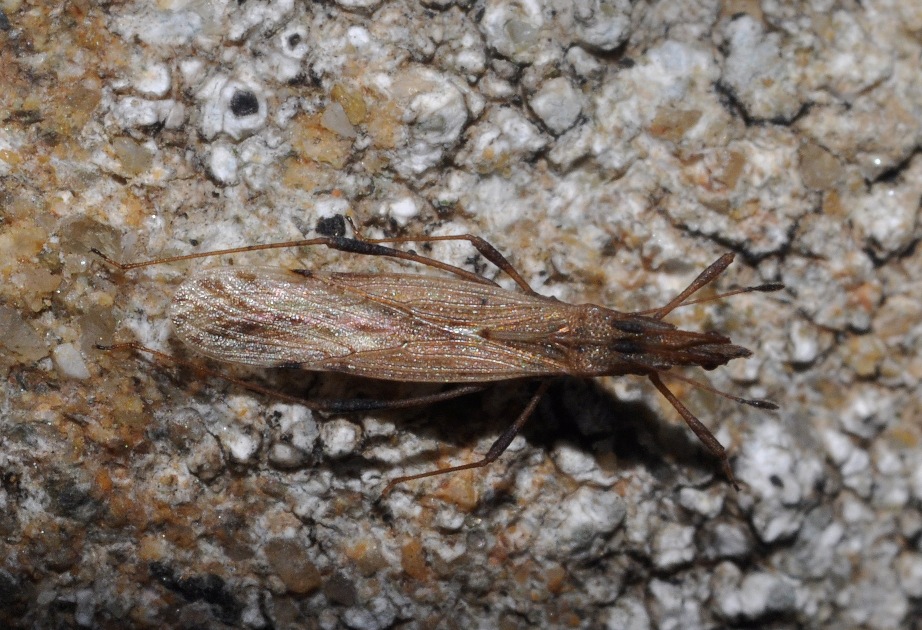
{"x": 460, "y": 328}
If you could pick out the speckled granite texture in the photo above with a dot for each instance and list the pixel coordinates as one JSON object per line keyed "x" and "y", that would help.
{"x": 612, "y": 149}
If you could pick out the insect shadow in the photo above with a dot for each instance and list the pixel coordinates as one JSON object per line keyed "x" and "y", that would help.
{"x": 578, "y": 412}
{"x": 585, "y": 414}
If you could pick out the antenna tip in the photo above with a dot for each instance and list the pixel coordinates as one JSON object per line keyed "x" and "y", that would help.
{"x": 762, "y": 404}
{"x": 769, "y": 287}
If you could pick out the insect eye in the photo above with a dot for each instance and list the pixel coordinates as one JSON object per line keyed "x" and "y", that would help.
{"x": 626, "y": 346}
{"x": 628, "y": 326}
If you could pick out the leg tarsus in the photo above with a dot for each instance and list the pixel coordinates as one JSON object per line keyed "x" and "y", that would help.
{"x": 496, "y": 449}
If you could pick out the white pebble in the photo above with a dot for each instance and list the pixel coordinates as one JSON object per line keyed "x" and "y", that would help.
{"x": 295, "y": 435}
{"x": 602, "y": 23}
{"x": 673, "y": 546}
{"x": 402, "y": 210}
{"x": 557, "y": 104}
{"x": 339, "y": 437}
{"x": 240, "y": 443}
{"x": 69, "y": 361}
{"x": 358, "y": 36}
{"x": 153, "y": 79}
{"x": 131, "y": 112}
{"x": 435, "y": 111}
{"x": 758, "y": 594}
{"x": 513, "y": 28}
{"x": 160, "y": 29}
{"x": 222, "y": 165}
{"x": 803, "y": 343}
{"x": 707, "y": 504}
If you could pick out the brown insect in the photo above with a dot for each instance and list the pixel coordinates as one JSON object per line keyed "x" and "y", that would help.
{"x": 463, "y": 329}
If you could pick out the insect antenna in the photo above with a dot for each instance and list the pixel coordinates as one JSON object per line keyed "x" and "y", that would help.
{"x": 768, "y": 287}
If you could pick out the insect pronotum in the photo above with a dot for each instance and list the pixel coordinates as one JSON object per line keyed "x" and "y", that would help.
{"x": 461, "y": 328}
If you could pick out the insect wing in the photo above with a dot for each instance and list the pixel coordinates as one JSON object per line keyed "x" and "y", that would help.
{"x": 389, "y": 326}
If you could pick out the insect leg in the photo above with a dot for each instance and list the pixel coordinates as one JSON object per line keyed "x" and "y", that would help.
{"x": 218, "y": 252}
{"x": 332, "y": 405}
{"x": 352, "y": 405}
{"x": 339, "y": 243}
{"x": 704, "y": 278}
{"x": 373, "y": 248}
{"x": 486, "y": 249}
{"x": 497, "y": 448}
{"x": 358, "y": 245}
{"x": 704, "y": 434}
